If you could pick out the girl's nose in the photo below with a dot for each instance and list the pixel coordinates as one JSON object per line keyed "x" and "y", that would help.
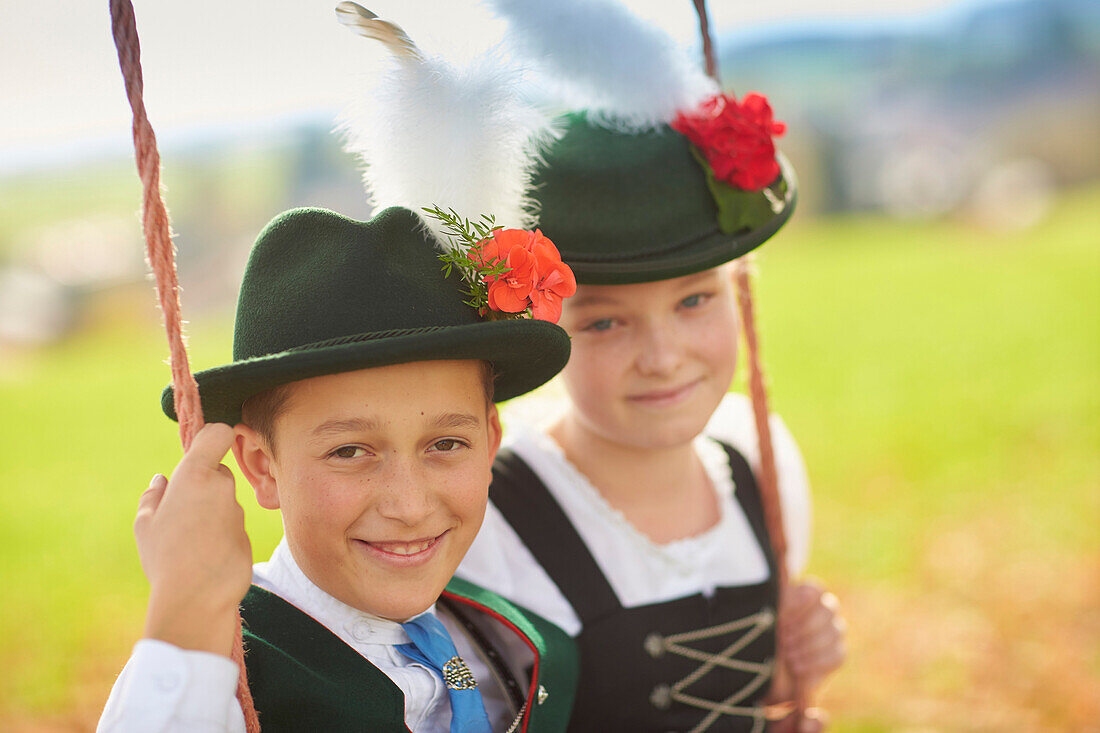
{"x": 660, "y": 351}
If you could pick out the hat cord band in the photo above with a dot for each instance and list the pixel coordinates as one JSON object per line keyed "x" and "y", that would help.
{"x": 636, "y": 254}
{"x": 372, "y": 336}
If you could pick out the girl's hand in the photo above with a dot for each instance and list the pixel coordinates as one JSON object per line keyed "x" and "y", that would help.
{"x": 813, "y": 632}
{"x": 193, "y": 548}
{"x": 814, "y": 720}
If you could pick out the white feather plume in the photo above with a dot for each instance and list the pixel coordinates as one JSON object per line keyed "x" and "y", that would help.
{"x": 430, "y": 133}
{"x": 630, "y": 74}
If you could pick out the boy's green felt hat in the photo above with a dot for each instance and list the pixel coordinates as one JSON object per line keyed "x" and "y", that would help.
{"x": 628, "y": 207}
{"x": 324, "y": 294}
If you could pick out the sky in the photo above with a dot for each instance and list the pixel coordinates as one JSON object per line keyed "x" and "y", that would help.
{"x": 209, "y": 64}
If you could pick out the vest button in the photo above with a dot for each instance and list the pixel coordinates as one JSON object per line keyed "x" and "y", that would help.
{"x": 654, "y": 644}
{"x": 661, "y": 697}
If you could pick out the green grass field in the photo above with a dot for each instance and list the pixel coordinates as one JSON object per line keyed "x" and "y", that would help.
{"x": 944, "y": 383}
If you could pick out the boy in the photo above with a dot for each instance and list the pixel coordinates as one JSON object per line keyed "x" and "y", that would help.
{"x": 361, "y": 395}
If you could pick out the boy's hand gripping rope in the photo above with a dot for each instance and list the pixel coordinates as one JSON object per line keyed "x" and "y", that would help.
{"x": 768, "y": 478}
{"x": 162, "y": 259}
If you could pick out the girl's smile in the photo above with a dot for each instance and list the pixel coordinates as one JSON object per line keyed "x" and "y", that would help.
{"x": 662, "y": 398}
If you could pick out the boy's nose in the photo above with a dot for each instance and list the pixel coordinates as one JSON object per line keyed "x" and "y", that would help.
{"x": 407, "y": 496}
{"x": 660, "y": 350}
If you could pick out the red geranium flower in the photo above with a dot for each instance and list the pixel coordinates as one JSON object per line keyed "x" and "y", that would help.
{"x": 735, "y": 139}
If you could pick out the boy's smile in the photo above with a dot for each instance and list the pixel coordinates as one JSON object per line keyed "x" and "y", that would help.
{"x": 401, "y": 554}
{"x": 416, "y": 548}
{"x": 382, "y": 477}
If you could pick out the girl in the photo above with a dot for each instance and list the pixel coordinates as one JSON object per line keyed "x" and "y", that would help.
{"x": 632, "y": 519}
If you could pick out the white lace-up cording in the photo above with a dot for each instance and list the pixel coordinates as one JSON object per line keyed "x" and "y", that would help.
{"x": 751, "y": 627}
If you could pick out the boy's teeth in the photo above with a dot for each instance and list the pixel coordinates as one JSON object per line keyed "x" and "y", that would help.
{"x": 406, "y": 548}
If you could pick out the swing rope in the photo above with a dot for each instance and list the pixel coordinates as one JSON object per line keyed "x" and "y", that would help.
{"x": 768, "y": 477}
{"x": 162, "y": 259}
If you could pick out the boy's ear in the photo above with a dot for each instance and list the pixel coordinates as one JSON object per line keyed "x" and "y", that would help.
{"x": 254, "y": 457}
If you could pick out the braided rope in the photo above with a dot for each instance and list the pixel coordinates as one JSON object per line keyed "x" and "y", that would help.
{"x": 161, "y": 255}
{"x": 768, "y": 478}
{"x": 154, "y": 220}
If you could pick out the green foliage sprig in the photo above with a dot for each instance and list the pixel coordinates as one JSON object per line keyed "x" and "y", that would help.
{"x": 466, "y": 237}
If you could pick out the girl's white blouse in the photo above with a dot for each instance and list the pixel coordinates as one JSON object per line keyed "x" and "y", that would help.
{"x": 639, "y": 570}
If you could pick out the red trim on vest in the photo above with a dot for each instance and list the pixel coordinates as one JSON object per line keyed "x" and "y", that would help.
{"x": 532, "y": 692}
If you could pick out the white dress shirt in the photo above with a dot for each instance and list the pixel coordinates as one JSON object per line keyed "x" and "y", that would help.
{"x": 640, "y": 570}
{"x": 165, "y": 689}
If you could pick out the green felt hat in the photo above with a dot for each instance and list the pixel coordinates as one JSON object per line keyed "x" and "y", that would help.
{"x": 637, "y": 207}
{"x": 324, "y": 294}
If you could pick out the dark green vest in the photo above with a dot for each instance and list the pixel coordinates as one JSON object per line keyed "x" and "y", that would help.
{"x": 305, "y": 678}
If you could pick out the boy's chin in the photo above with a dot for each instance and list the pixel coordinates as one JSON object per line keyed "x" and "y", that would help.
{"x": 400, "y": 595}
{"x": 401, "y": 601}
{"x": 402, "y": 611}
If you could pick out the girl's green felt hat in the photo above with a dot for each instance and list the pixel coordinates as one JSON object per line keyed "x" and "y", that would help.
{"x": 629, "y": 207}
{"x": 324, "y": 294}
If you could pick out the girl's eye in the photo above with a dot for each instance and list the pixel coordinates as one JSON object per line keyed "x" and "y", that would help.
{"x": 695, "y": 300}
{"x": 447, "y": 445}
{"x": 348, "y": 451}
{"x": 601, "y": 325}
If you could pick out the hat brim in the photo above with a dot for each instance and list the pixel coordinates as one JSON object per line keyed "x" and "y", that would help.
{"x": 525, "y": 354}
{"x": 701, "y": 251}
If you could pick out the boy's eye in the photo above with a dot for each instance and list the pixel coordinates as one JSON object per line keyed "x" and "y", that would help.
{"x": 447, "y": 445}
{"x": 601, "y": 325}
{"x": 348, "y": 451}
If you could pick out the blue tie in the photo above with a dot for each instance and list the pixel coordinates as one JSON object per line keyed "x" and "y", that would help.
{"x": 432, "y": 646}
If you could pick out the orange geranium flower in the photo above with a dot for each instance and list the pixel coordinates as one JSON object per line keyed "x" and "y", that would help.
{"x": 510, "y": 292}
{"x": 556, "y": 280}
{"x": 499, "y": 245}
{"x": 536, "y": 277}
